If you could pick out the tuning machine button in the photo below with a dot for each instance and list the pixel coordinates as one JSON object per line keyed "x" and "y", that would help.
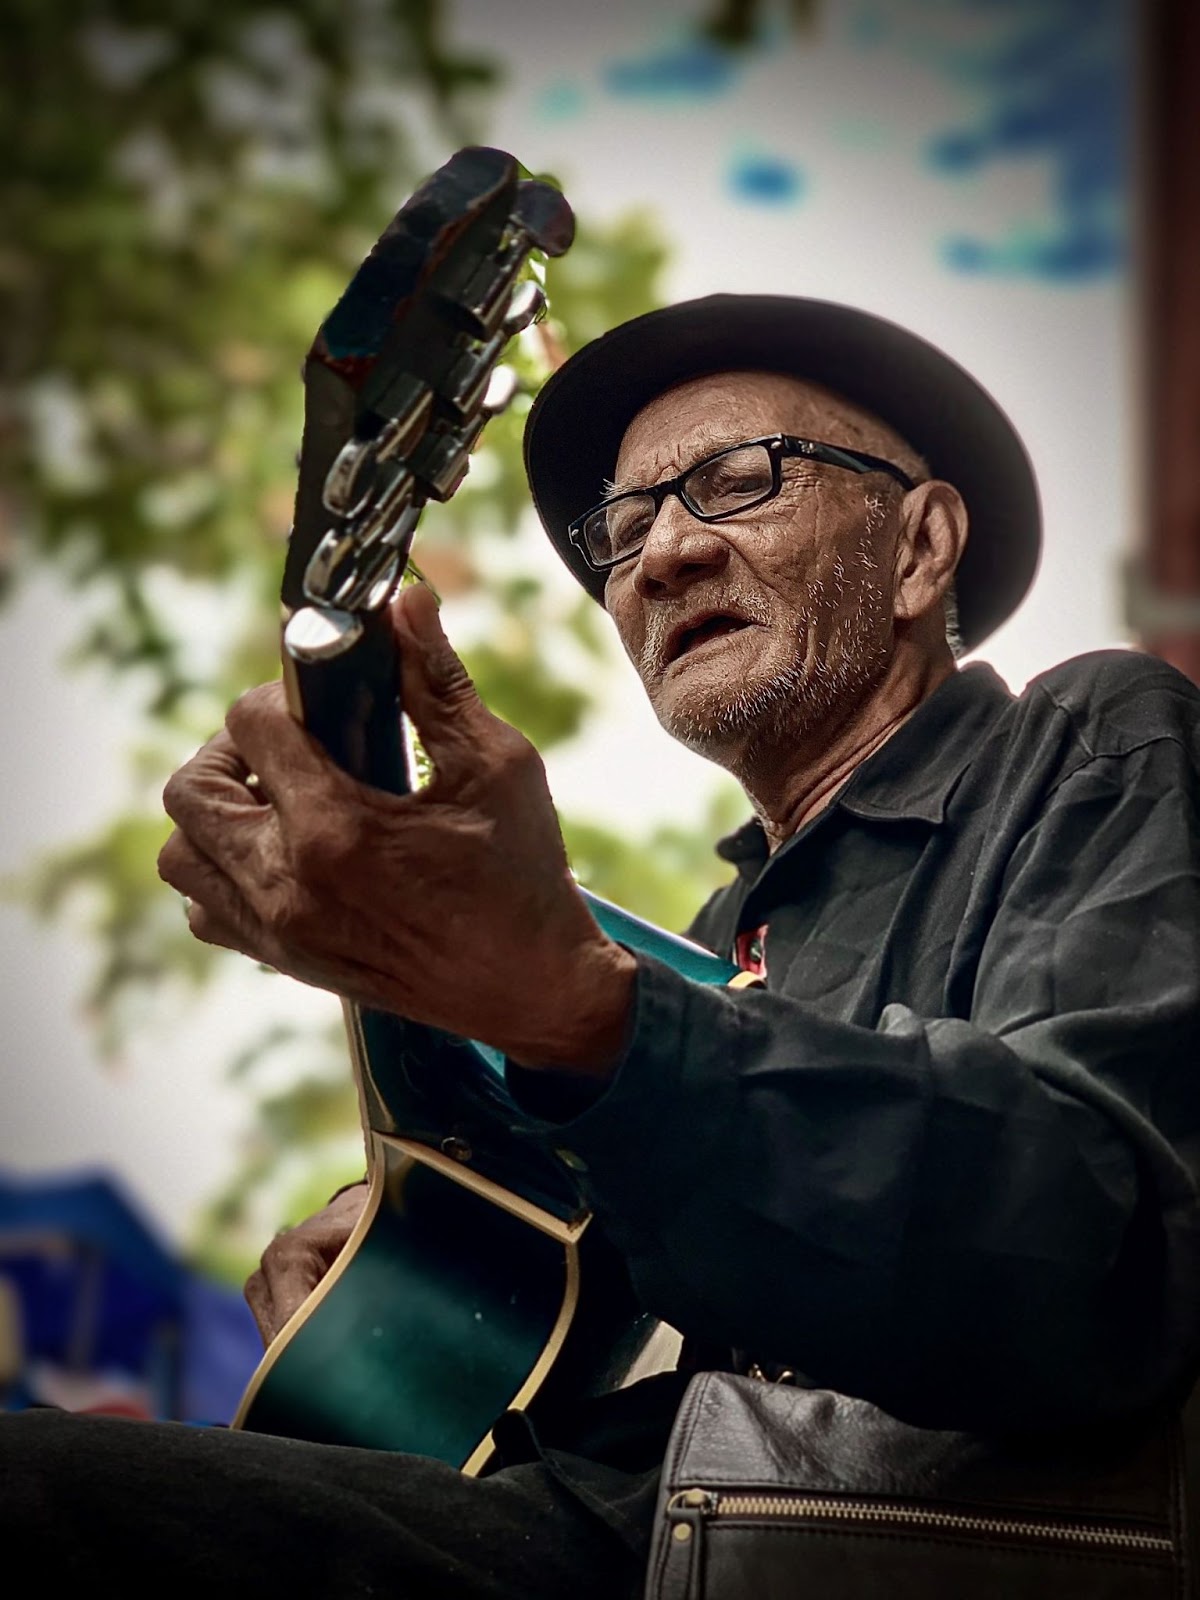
{"x": 354, "y": 475}
{"x": 526, "y": 304}
{"x": 321, "y": 633}
{"x": 542, "y": 211}
{"x": 502, "y": 386}
{"x": 329, "y": 566}
{"x": 350, "y": 479}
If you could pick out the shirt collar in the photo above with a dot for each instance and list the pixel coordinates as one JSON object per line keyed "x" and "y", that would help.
{"x": 911, "y": 776}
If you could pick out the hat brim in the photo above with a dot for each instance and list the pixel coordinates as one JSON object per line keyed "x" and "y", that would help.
{"x": 577, "y": 422}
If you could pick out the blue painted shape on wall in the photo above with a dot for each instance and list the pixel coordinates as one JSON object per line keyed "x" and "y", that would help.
{"x": 765, "y": 179}
{"x": 690, "y": 69}
{"x": 1068, "y": 256}
{"x": 560, "y": 101}
{"x": 1054, "y": 79}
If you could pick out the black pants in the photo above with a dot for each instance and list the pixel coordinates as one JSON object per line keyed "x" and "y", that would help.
{"x": 148, "y": 1508}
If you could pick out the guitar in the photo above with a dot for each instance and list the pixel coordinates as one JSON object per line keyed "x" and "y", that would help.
{"x": 475, "y": 1280}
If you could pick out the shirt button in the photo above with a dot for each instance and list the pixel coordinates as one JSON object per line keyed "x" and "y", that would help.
{"x": 570, "y": 1159}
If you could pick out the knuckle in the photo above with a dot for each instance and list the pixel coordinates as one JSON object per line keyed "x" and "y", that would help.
{"x": 247, "y": 704}
{"x": 328, "y": 847}
{"x": 171, "y": 858}
{"x": 203, "y": 925}
{"x": 289, "y": 1254}
{"x": 175, "y": 792}
{"x": 514, "y": 756}
{"x": 276, "y": 1251}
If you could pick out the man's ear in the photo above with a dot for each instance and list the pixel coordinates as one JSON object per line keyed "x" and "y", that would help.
{"x": 932, "y": 538}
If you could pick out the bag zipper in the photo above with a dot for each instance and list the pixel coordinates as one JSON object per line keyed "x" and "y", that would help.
{"x": 688, "y": 1507}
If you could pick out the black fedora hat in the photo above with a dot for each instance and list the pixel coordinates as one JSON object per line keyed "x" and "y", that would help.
{"x": 576, "y": 424}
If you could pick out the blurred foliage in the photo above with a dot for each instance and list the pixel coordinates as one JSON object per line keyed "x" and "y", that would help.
{"x": 188, "y": 187}
{"x": 304, "y": 1143}
{"x": 672, "y": 874}
{"x": 140, "y": 931}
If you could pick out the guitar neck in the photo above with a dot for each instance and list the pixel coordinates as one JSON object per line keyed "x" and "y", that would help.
{"x": 349, "y": 701}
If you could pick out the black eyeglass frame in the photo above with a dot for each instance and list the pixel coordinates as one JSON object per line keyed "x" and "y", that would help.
{"x": 779, "y": 446}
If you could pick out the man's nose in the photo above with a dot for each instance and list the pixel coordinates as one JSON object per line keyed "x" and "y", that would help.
{"x": 679, "y": 550}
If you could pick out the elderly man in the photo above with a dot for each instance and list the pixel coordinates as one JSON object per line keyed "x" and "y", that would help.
{"x": 946, "y": 1159}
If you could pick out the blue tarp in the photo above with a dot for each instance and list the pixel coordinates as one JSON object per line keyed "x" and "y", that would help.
{"x": 221, "y": 1348}
{"x": 94, "y": 1279}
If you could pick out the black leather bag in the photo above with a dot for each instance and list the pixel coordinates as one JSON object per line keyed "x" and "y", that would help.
{"x": 771, "y": 1492}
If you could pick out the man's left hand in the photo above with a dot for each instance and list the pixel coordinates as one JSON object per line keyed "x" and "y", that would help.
{"x": 452, "y": 906}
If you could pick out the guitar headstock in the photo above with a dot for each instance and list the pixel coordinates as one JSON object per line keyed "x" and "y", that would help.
{"x": 401, "y": 379}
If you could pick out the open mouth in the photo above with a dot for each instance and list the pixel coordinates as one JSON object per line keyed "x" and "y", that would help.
{"x": 690, "y": 638}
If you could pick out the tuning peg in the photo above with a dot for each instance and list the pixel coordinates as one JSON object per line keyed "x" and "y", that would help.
{"x": 478, "y": 293}
{"x": 442, "y": 463}
{"x": 406, "y": 406}
{"x": 350, "y": 479}
{"x": 369, "y": 589}
{"x": 543, "y": 213}
{"x": 328, "y": 567}
{"x": 393, "y": 519}
{"x": 526, "y": 305}
{"x": 321, "y": 634}
{"x": 464, "y": 384}
{"x": 444, "y": 457}
{"x": 502, "y": 386}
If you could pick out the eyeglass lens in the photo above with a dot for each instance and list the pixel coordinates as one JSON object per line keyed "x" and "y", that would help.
{"x": 719, "y": 487}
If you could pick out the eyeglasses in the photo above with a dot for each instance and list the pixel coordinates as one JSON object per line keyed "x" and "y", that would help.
{"x": 732, "y": 480}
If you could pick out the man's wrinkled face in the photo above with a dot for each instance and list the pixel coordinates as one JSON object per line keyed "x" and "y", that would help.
{"x": 766, "y": 623}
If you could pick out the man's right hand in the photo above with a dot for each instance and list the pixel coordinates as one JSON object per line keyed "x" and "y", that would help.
{"x": 297, "y": 1259}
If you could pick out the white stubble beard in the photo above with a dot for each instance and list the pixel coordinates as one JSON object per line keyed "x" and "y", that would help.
{"x": 853, "y": 612}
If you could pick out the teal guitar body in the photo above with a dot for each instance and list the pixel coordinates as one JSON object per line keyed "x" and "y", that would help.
{"x": 476, "y": 1279}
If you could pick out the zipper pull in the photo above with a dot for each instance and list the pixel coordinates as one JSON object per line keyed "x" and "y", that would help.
{"x": 686, "y": 1509}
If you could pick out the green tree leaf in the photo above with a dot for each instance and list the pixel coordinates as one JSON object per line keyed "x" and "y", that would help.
{"x": 188, "y": 189}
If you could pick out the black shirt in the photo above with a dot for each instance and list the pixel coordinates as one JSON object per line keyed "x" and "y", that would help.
{"x": 947, "y": 1161}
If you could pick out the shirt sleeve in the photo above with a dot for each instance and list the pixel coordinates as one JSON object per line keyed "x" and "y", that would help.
{"x": 987, "y": 1222}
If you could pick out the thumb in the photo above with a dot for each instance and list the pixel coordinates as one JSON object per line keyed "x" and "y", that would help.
{"x": 436, "y": 689}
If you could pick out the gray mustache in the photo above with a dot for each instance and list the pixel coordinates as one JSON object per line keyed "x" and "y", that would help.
{"x": 663, "y": 621}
